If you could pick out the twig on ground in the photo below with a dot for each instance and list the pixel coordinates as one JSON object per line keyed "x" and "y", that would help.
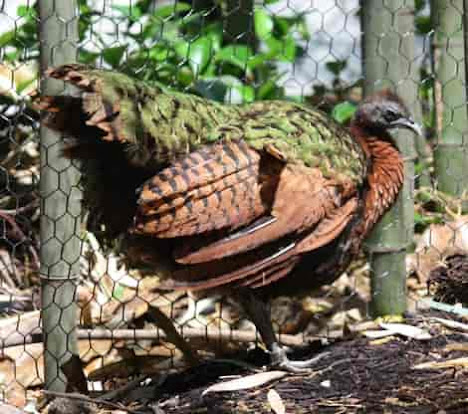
{"x": 454, "y": 325}
{"x": 97, "y": 401}
{"x": 122, "y": 391}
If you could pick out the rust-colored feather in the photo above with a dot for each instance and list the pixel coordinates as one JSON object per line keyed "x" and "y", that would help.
{"x": 273, "y": 275}
{"x": 329, "y": 228}
{"x": 234, "y": 270}
{"x": 301, "y": 200}
{"x": 216, "y": 187}
{"x": 199, "y": 169}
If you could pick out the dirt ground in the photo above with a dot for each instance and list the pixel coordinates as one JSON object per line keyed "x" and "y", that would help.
{"x": 394, "y": 374}
{"x": 355, "y": 377}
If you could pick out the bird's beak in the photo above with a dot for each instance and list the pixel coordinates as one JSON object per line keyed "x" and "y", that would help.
{"x": 408, "y": 123}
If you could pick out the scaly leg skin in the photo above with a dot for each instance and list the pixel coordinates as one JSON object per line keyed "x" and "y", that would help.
{"x": 259, "y": 313}
{"x": 280, "y": 359}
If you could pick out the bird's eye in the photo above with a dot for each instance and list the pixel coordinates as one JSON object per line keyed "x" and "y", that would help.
{"x": 391, "y": 115}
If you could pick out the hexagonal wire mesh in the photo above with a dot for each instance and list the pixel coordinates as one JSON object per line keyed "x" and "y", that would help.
{"x": 234, "y": 52}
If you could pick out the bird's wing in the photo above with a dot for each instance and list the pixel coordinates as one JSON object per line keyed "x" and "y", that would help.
{"x": 216, "y": 187}
{"x": 255, "y": 199}
{"x": 266, "y": 264}
{"x": 302, "y": 201}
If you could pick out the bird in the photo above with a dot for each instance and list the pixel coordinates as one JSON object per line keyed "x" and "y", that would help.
{"x": 253, "y": 201}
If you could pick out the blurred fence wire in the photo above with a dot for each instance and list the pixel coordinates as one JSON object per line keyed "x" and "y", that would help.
{"x": 96, "y": 316}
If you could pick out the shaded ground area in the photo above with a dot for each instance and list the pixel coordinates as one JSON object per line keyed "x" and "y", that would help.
{"x": 356, "y": 376}
{"x": 450, "y": 280}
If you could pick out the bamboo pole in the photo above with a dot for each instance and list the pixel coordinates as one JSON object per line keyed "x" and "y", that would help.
{"x": 465, "y": 44}
{"x": 451, "y": 153}
{"x": 60, "y": 204}
{"x": 388, "y": 46}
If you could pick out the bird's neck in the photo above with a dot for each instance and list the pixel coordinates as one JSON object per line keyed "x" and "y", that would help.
{"x": 385, "y": 177}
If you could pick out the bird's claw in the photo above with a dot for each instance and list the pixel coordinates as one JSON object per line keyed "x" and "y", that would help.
{"x": 280, "y": 360}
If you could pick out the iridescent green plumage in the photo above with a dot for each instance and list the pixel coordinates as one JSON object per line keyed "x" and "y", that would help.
{"x": 161, "y": 125}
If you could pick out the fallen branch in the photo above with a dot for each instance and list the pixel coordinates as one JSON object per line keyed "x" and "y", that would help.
{"x": 461, "y": 362}
{"x": 454, "y": 325}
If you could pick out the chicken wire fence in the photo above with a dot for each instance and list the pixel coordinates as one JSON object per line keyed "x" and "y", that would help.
{"x": 104, "y": 319}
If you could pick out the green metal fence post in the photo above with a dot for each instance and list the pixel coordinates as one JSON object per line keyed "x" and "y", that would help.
{"x": 60, "y": 205}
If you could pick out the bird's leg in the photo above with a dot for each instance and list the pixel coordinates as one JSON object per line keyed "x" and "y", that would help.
{"x": 259, "y": 313}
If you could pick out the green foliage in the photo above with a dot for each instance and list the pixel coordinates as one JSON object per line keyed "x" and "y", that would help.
{"x": 336, "y": 67}
{"x": 179, "y": 47}
{"x": 423, "y": 221}
{"x": 343, "y": 112}
{"x": 21, "y": 44}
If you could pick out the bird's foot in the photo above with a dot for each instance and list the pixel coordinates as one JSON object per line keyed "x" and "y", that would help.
{"x": 280, "y": 360}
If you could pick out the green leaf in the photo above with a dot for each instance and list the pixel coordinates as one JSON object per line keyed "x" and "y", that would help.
{"x": 238, "y": 55}
{"x": 87, "y": 57}
{"x": 198, "y": 53}
{"x": 236, "y": 92}
{"x": 23, "y": 85}
{"x": 184, "y": 75}
{"x": 171, "y": 10}
{"x": 282, "y": 25}
{"x": 336, "y": 67}
{"x": 419, "y": 5}
{"x": 7, "y": 37}
{"x": 343, "y": 112}
{"x": 247, "y": 93}
{"x": 155, "y": 29}
{"x": 424, "y": 25}
{"x": 159, "y": 53}
{"x": 215, "y": 33}
{"x": 210, "y": 70}
{"x": 421, "y": 222}
{"x": 266, "y": 90}
{"x": 144, "y": 5}
{"x": 22, "y": 11}
{"x": 132, "y": 13}
{"x": 263, "y": 24}
{"x": 113, "y": 55}
{"x": 118, "y": 291}
{"x": 258, "y": 60}
{"x": 288, "y": 51}
{"x": 419, "y": 168}
{"x": 214, "y": 89}
{"x": 12, "y": 56}
{"x": 303, "y": 29}
{"x": 283, "y": 50}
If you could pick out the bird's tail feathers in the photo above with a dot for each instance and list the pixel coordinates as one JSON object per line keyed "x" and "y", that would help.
{"x": 102, "y": 109}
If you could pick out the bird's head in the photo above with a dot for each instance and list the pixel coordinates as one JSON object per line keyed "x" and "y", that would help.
{"x": 384, "y": 111}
